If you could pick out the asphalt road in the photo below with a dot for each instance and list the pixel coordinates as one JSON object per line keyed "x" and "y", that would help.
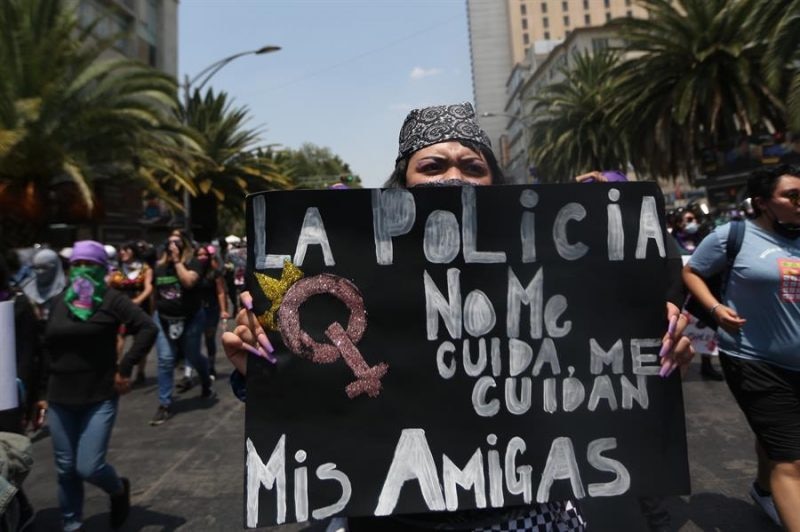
{"x": 187, "y": 475}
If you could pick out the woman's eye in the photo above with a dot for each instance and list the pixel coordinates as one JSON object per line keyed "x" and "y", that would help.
{"x": 429, "y": 166}
{"x": 476, "y": 169}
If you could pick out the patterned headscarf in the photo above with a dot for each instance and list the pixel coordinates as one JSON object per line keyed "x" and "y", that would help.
{"x": 441, "y": 123}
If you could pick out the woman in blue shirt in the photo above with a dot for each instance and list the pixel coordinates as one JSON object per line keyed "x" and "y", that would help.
{"x": 759, "y": 335}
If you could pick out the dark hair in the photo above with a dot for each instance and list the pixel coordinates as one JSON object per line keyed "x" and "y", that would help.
{"x": 5, "y": 274}
{"x": 134, "y": 247}
{"x": 762, "y": 182}
{"x": 397, "y": 179}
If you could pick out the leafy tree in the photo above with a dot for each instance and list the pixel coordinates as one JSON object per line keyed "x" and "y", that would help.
{"x": 691, "y": 79}
{"x": 313, "y": 166}
{"x": 573, "y": 132}
{"x": 777, "y": 22}
{"x": 68, "y": 116}
{"x": 233, "y": 164}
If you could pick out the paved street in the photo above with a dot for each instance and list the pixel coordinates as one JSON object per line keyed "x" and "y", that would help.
{"x": 187, "y": 475}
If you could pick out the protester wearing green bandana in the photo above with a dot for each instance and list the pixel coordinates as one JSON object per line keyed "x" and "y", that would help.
{"x": 87, "y": 286}
{"x": 84, "y": 381}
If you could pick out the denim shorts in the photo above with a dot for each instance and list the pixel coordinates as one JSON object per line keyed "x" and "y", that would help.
{"x": 769, "y": 396}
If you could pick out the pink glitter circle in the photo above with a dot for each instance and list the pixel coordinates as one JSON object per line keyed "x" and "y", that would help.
{"x": 298, "y": 340}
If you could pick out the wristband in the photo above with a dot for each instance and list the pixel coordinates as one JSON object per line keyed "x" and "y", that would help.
{"x": 714, "y": 308}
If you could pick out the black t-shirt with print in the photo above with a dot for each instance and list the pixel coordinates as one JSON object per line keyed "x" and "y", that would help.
{"x": 172, "y": 298}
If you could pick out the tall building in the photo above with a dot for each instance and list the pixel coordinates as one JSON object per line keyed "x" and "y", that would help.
{"x": 508, "y": 39}
{"x": 150, "y": 28}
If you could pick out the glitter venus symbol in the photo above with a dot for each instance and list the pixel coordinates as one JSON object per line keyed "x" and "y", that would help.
{"x": 292, "y": 294}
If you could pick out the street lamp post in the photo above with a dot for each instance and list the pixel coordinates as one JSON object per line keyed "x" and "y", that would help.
{"x": 516, "y": 118}
{"x": 198, "y": 82}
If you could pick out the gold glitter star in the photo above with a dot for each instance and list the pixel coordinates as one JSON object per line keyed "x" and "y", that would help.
{"x": 275, "y": 289}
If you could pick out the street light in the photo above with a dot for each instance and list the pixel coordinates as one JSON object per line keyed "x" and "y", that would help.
{"x": 206, "y": 74}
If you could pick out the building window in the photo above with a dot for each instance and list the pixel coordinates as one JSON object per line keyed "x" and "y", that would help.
{"x": 599, "y": 44}
{"x": 608, "y": 16}
{"x": 628, "y": 3}
{"x": 545, "y": 22}
{"x": 523, "y": 9}
{"x": 526, "y": 39}
{"x": 587, "y": 19}
{"x": 629, "y": 13}
{"x": 607, "y": 3}
{"x": 566, "y": 20}
{"x": 544, "y": 7}
{"x": 547, "y": 36}
{"x": 564, "y": 6}
{"x": 524, "y": 24}
{"x": 586, "y": 4}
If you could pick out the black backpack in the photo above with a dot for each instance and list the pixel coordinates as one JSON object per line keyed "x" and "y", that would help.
{"x": 717, "y": 282}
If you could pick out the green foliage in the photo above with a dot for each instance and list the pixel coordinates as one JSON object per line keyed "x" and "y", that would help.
{"x": 234, "y": 165}
{"x": 694, "y": 74}
{"x": 691, "y": 80}
{"x": 777, "y": 22}
{"x": 313, "y": 166}
{"x": 68, "y": 115}
{"x": 573, "y": 133}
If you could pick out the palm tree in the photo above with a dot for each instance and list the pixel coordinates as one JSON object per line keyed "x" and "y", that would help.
{"x": 691, "y": 80}
{"x": 573, "y": 133}
{"x": 778, "y": 24}
{"x": 233, "y": 166}
{"x": 68, "y": 117}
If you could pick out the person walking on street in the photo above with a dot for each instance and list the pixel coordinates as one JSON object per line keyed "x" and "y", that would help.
{"x": 215, "y": 300}
{"x": 134, "y": 278}
{"x": 688, "y": 233}
{"x": 180, "y": 320}
{"x": 84, "y": 380}
{"x": 759, "y": 330}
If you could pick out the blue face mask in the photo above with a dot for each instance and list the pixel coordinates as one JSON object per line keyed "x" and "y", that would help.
{"x": 691, "y": 228}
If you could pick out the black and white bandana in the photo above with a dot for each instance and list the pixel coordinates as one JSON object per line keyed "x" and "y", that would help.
{"x": 441, "y": 123}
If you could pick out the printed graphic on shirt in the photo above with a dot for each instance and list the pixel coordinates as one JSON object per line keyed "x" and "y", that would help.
{"x": 169, "y": 288}
{"x": 790, "y": 280}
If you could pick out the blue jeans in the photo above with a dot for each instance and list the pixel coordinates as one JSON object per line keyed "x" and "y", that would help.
{"x": 189, "y": 343}
{"x": 80, "y": 436}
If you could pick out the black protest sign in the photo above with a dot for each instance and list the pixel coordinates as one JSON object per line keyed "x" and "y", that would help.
{"x": 458, "y": 348}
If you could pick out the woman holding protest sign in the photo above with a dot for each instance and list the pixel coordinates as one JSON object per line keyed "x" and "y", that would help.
{"x": 439, "y": 146}
{"x": 759, "y": 330}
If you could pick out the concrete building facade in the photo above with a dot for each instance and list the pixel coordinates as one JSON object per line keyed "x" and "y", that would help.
{"x": 509, "y": 40}
{"x": 150, "y": 28}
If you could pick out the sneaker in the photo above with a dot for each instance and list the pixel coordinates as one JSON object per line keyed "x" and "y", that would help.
{"x": 162, "y": 414}
{"x": 121, "y": 504}
{"x": 763, "y": 500}
{"x": 208, "y": 393}
{"x": 185, "y": 385}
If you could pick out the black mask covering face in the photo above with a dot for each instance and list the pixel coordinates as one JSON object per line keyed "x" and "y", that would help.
{"x": 445, "y": 183}
{"x": 784, "y": 229}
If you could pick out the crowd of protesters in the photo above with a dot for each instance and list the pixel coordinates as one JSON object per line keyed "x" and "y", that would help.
{"x": 86, "y": 317}
{"x": 90, "y": 314}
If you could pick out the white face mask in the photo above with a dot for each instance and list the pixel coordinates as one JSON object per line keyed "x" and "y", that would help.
{"x": 691, "y": 228}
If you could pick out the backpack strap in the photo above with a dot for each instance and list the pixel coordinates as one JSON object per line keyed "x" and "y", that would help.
{"x": 732, "y": 246}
